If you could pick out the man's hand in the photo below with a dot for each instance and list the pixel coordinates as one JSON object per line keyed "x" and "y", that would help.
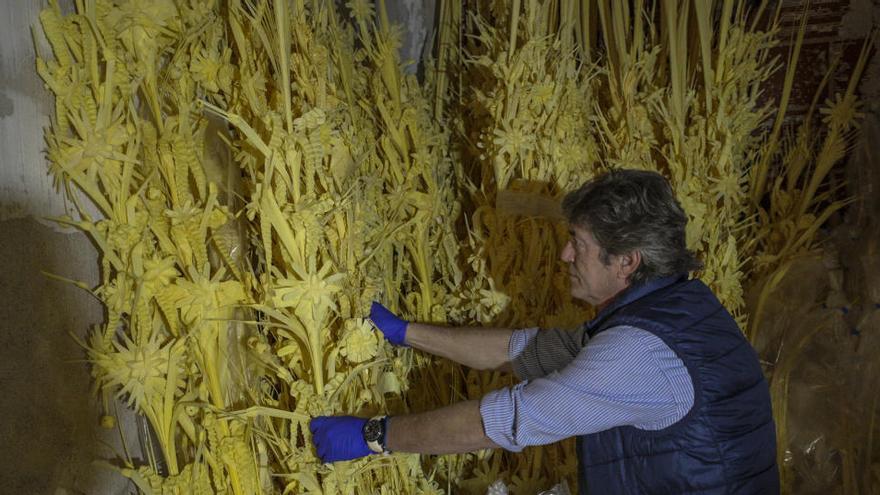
{"x": 389, "y": 324}
{"x": 339, "y": 438}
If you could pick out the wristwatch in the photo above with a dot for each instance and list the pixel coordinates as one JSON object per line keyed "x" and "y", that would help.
{"x": 374, "y": 434}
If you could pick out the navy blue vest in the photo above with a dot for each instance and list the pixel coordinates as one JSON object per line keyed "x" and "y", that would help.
{"x": 726, "y": 444}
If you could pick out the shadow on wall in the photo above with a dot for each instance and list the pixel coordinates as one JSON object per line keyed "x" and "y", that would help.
{"x": 50, "y": 426}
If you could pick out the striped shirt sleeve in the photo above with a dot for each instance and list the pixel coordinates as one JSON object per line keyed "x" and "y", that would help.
{"x": 623, "y": 376}
{"x": 535, "y": 353}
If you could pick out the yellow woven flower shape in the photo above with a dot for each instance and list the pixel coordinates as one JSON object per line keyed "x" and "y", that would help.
{"x": 361, "y": 10}
{"x": 313, "y": 289}
{"x": 139, "y": 371}
{"x": 512, "y": 140}
{"x": 359, "y": 342}
{"x": 159, "y": 271}
{"x": 841, "y": 112}
{"x": 206, "y": 297}
{"x": 493, "y": 301}
{"x": 150, "y": 18}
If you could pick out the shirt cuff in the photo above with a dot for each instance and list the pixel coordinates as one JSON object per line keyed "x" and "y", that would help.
{"x": 519, "y": 339}
{"x": 498, "y": 410}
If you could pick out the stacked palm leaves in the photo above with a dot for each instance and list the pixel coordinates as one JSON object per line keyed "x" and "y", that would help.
{"x": 263, "y": 171}
{"x": 168, "y": 299}
{"x": 351, "y": 199}
{"x": 791, "y": 208}
{"x": 684, "y": 101}
{"x": 530, "y": 108}
{"x": 666, "y": 94}
{"x": 226, "y": 355}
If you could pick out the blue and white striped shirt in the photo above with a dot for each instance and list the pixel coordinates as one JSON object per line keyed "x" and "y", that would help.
{"x": 622, "y": 376}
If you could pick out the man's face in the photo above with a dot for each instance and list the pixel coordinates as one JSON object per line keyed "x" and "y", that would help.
{"x": 592, "y": 280}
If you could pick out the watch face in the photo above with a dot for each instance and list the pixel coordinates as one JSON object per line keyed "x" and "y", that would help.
{"x": 373, "y": 430}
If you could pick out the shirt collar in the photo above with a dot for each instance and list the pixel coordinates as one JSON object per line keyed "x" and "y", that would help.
{"x": 634, "y": 293}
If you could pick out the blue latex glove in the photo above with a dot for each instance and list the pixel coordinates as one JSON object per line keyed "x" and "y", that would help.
{"x": 339, "y": 438}
{"x": 389, "y": 324}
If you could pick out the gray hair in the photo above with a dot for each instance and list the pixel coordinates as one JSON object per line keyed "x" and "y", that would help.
{"x": 634, "y": 210}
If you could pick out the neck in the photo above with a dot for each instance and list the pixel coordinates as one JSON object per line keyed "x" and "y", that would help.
{"x": 604, "y": 304}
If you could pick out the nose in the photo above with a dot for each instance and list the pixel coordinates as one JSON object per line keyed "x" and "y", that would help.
{"x": 567, "y": 254}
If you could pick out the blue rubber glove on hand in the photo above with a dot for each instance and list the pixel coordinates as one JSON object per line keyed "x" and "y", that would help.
{"x": 389, "y": 324}
{"x": 339, "y": 438}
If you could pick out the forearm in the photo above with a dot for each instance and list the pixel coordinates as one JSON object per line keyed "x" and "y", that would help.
{"x": 449, "y": 430}
{"x": 478, "y": 348}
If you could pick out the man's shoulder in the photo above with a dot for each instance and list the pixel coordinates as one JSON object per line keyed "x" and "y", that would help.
{"x": 681, "y": 304}
{"x": 629, "y": 334}
{"x": 629, "y": 339}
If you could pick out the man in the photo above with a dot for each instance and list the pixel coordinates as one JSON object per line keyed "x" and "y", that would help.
{"x": 661, "y": 389}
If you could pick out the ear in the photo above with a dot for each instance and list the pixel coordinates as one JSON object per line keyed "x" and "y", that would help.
{"x": 628, "y": 263}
